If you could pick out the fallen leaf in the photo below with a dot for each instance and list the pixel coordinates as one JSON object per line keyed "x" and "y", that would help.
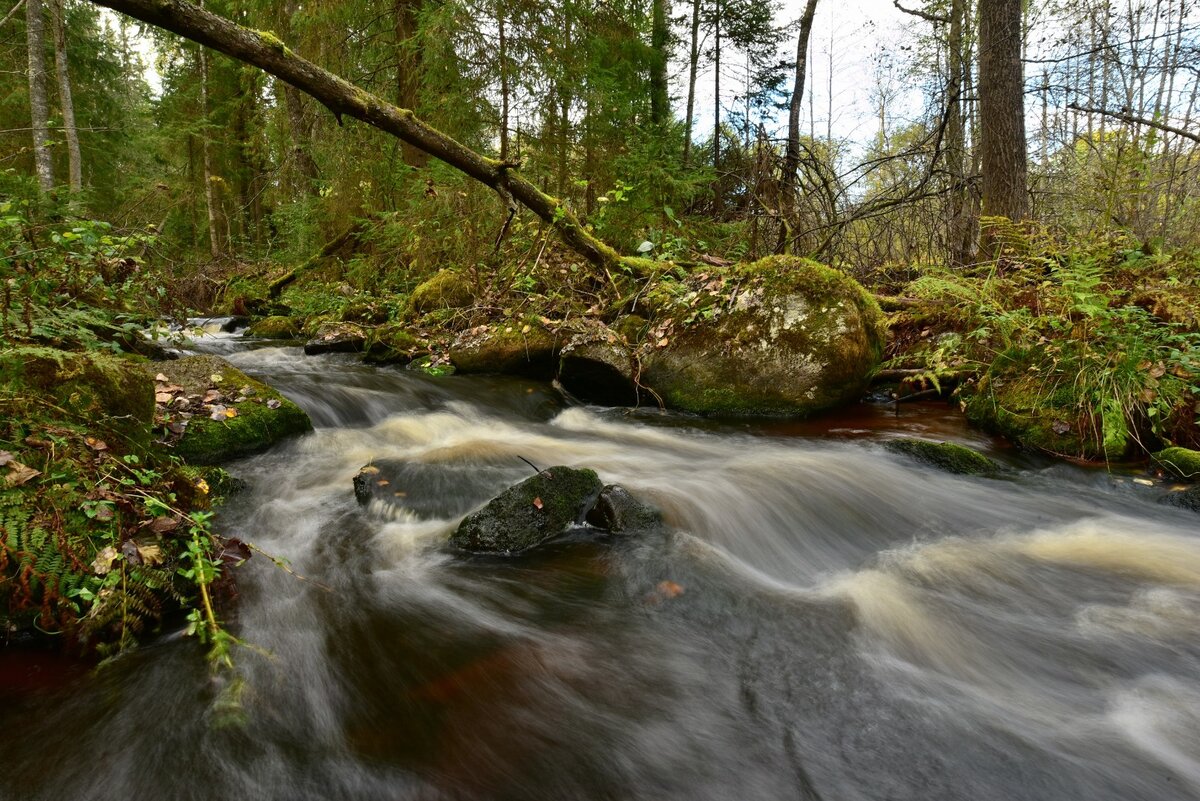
{"x": 96, "y": 444}
{"x": 212, "y": 396}
{"x": 130, "y": 551}
{"x": 202, "y": 486}
{"x": 218, "y": 413}
{"x": 669, "y": 589}
{"x": 162, "y": 379}
{"x": 231, "y": 413}
{"x": 104, "y": 513}
{"x": 383, "y": 482}
{"x": 162, "y": 397}
{"x": 216, "y": 378}
{"x": 5, "y": 458}
{"x": 662, "y": 343}
{"x": 151, "y": 552}
{"x": 369, "y": 470}
{"x": 104, "y": 560}
{"x": 274, "y": 403}
{"x": 177, "y": 427}
{"x": 1060, "y": 427}
{"x": 537, "y": 502}
{"x": 163, "y": 524}
{"x": 19, "y": 474}
{"x": 235, "y": 551}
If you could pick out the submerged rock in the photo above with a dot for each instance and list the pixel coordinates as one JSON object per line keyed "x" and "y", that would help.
{"x": 1185, "y": 499}
{"x": 393, "y": 344}
{"x": 616, "y": 510}
{"x": 781, "y": 336}
{"x": 337, "y": 338}
{"x": 431, "y": 490}
{"x": 1183, "y": 463}
{"x": 945, "y": 456}
{"x": 218, "y": 413}
{"x": 528, "y": 514}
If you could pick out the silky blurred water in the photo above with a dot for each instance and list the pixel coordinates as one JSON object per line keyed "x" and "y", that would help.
{"x": 823, "y": 620}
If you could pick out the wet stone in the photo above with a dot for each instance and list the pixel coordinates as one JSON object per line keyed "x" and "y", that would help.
{"x": 431, "y": 490}
{"x": 618, "y": 511}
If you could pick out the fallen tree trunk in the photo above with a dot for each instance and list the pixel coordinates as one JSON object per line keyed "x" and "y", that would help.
{"x": 265, "y": 51}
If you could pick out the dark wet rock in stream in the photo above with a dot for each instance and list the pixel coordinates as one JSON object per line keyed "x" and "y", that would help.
{"x": 618, "y": 511}
{"x": 600, "y": 370}
{"x": 1184, "y": 499}
{"x": 528, "y": 514}
{"x": 947, "y": 456}
{"x": 431, "y": 490}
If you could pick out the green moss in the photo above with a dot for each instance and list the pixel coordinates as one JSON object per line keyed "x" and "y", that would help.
{"x": 256, "y": 426}
{"x": 447, "y": 289}
{"x": 946, "y": 456}
{"x": 108, "y": 392}
{"x": 514, "y": 348}
{"x": 278, "y": 327}
{"x": 631, "y": 327}
{"x": 392, "y": 344}
{"x": 1182, "y": 463}
{"x": 426, "y": 365}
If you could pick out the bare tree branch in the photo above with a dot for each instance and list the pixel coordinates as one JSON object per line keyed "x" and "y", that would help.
{"x": 10, "y": 14}
{"x": 1125, "y": 116}
{"x": 936, "y": 19}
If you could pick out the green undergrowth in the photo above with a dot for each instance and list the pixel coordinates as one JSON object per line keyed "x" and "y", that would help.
{"x": 1078, "y": 350}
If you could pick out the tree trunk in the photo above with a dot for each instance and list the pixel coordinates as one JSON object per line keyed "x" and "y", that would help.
{"x": 716, "y": 143}
{"x": 305, "y": 167}
{"x": 791, "y": 158}
{"x": 659, "y": 97}
{"x": 956, "y": 144}
{"x": 1002, "y": 110}
{"x": 505, "y": 89}
{"x": 210, "y": 189}
{"x": 693, "y": 65}
{"x": 408, "y": 70}
{"x": 266, "y": 52}
{"x": 74, "y": 161}
{"x": 39, "y": 106}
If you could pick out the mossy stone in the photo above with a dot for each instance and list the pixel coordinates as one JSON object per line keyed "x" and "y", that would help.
{"x": 110, "y": 392}
{"x": 528, "y": 514}
{"x": 799, "y": 338}
{"x": 513, "y": 348}
{"x": 276, "y": 327}
{"x": 1183, "y": 463}
{"x": 1042, "y": 411}
{"x": 447, "y": 289}
{"x": 255, "y": 428}
{"x": 946, "y": 456}
{"x": 337, "y": 337}
{"x": 600, "y": 370}
{"x": 393, "y": 344}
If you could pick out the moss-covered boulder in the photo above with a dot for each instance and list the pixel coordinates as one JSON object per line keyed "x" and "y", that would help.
{"x": 599, "y": 369}
{"x": 218, "y": 413}
{"x": 528, "y": 514}
{"x": 393, "y": 344}
{"x": 1184, "y": 499}
{"x": 102, "y": 390}
{"x": 447, "y": 289}
{"x": 946, "y": 456}
{"x": 1182, "y": 463}
{"x": 1040, "y": 408}
{"x": 337, "y": 337}
{"x": 781, "y": 336}
{"x": 277, "y": 327}
{"x": 517, "y": 347}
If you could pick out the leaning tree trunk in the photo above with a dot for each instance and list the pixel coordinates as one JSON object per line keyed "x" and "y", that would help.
{"x": 791, "y": 159}
{"x": 342, "y": 98}
{"x": 39, "y": 106}
{"x": 74, "y": 161}
{"x": 1002, "y": 110}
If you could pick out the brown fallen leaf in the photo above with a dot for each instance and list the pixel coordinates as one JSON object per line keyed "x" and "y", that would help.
{"x": 162, "y": 379}
{"x": 20, "y": 474}
{"x": 163, "y": 524}
{"x": 5, "y": 458}
{"x": 383, "y": 482}
{"x": 537, "y": 502}
{"x": 217, "y": 413}
{"x": 670, "y": 589}
{"x": 1060, "y": 427}
{"x": 162, "y": 397}
{"x": 212, "y": 396}
{"x": 96, "y": 444}
{"x": 103, "y": 562}
{"x": 274, "y": 403}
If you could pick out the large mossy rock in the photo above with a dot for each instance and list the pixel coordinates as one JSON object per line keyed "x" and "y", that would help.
{"x": 946, "y": 456}
{"x": 337, "y": 337}
{"x": 261, "y": 416}
{"x": 528, "y": 514}
{"x": 447, "y": 289}
{"x": 781, "y": 336}
{"x": 513, "y": 348}
{"x": 1182, "y": 463}
{"x": 98, "y": 389}
{"x": 276, "y": 327}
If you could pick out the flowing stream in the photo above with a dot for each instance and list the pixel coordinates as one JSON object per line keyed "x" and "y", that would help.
{"x": 824, "y": 620}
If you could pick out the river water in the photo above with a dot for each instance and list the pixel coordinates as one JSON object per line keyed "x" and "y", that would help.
{"x": 824, "y": 620}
